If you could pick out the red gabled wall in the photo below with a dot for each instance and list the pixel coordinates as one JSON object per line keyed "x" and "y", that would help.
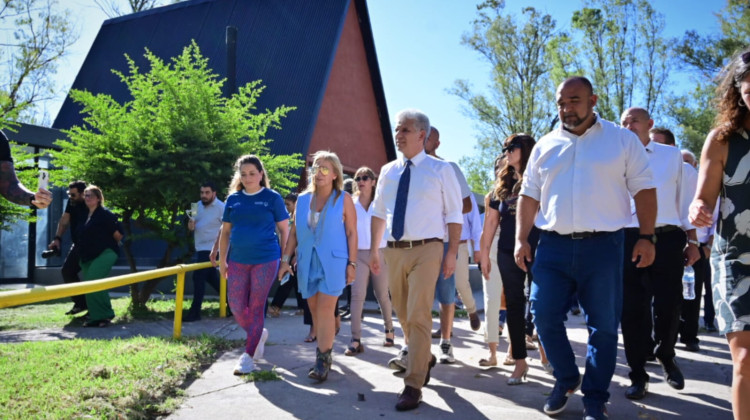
{"x": 348, "y": 122}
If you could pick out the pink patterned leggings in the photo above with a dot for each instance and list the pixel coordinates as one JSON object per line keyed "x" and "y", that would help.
{"x": 248, "y": 286}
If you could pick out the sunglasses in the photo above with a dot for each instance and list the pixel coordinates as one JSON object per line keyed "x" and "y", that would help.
{"x": 362, "y": 178}
{"x": 745, "y": 58}
{"x": 510, "y": 147}
{"x": 322, "y": 169}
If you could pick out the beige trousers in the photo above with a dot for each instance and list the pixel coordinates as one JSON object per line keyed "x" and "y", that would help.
{"x": 462, "y": 278}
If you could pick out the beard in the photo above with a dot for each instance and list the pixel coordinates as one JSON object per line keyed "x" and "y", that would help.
{"x": 206, "y": 201}
{"x": 572, "y": 121}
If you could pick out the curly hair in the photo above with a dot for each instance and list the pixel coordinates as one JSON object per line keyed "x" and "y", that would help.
{"x": 731, "y": 110}
{"x": 506, "y": 185}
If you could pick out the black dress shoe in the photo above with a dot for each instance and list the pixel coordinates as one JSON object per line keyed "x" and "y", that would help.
{"x": 672, "y": 374}
{"x": 431, "y": 365}
{"x": 636, "y": 391}
{"x": 75, "y": 310}
{"x": 694, "y": 347}
{"x": 409, "y": 399}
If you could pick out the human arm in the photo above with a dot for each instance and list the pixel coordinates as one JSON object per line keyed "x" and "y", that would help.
{"x": 713, "y": 160}
{"x": 62, "y": 226}
{"x": 226, "y": 231}
{"x": 215, "y": 249}
{"x": 454, "y": 237}
{"x": 525, "y": 215}
{"x": 377, "y": 230}
{"x": 491, "y": 221}
{"x": 286, "y": 254}
{"x": 645, "y": 210}
{"x": 350, "y": 226}
{"x": 691, "y": 252}
{"x": 12, "y": 189}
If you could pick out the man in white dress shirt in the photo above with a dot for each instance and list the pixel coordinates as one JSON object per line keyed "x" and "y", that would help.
{"x": 659, "y": 284}
{"x": 576, "y": 189}
{"x": 416, "y": 196}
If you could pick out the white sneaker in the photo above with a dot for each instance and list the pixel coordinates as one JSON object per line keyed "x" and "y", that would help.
{"x": 400, "y": 362}
{"x": 245, "y": 365}
{"x": 261, "y": 345}
{"x": 446, "y": 355}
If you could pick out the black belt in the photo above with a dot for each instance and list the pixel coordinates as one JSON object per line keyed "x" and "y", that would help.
{"x": 412, "y": 244}
{"x": 578, "y": 235}
{"x": 661, "y": 229}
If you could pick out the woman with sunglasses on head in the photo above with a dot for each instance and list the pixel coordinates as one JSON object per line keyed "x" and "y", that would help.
{"x": 725, "y": 172}
{"x": 364, "y": 192}
{"x": 252, "y": 214}
{"x": 97, "y": 242}
{"x": 325, "y": 237}
{"x": 502, "y": 211}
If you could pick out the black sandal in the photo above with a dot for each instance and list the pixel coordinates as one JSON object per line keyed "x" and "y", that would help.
{"x": 351, "y": 351}
{"x": 97, "y": 324}
{"x": 389, "y": 341}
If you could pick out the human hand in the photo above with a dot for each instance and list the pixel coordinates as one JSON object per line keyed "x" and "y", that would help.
{"x": 351, "y": 274}
{"x": 283, "y": 269}
{"x": 449, "y": 264}
{"x": 691, "y": 254}
{"x": 212, "y": 256}
{"x": 42, "y": 199}
{"x": 223, "y": 267}
{"x": 699, "y": 214}
{"x": 522, "y": 254}
{"x": 646, "y": 251}
{"x": 374, "y": 262}
{"x": 191, "y": 225}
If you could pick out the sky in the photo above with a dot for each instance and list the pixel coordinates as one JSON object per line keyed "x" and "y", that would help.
{"x": 418, "y": 44}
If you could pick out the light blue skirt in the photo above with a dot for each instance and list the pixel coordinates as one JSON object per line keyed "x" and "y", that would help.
{"x": 316, "y": 281}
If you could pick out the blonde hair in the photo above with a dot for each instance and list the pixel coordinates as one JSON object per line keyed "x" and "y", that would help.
{"x": 364, "y": 170}
{"x": 236, "y": 183}
{"x": 338, "y": 170}
{"x": 97, "y": 192}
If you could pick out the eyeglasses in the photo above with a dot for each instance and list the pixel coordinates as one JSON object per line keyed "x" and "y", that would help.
{"x": 86, "y": 195}
{"x": 510, "y": 147}
{"x": 323, "y": 170}
{"x": 362, "y": 178}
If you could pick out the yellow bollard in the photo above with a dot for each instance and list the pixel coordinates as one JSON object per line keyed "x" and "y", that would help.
{"x": 222, "y": 296}
{"x": 178, "y": 305}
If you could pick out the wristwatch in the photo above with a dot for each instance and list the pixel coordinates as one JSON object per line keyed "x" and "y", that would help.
{"x": 352, "y": 263}
{"x": 694, "y": 242}
{"x": 651, "y": 238}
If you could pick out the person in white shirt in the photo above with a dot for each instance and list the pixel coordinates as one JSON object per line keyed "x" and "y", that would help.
{"x": 205, "y": 225}
{"x": 445, "y": 288}
{"x": 576, "y": 189}
{"x": 471, "y": 234}
{"x": 416, "y": 196}
{"x": 660, "y": 284}
{"x": 364, "y": 192}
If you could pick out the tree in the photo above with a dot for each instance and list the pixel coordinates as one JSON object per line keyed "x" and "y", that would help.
{"x": 704, "y": 56}
{"x": 521, "y": 86}
{"x": 625, "y": 54}
{"x": 39, "y": 38}
{"x": 11, "y": 213}
{"x": 148, "y": 154}
{"x": 113, "y": 8}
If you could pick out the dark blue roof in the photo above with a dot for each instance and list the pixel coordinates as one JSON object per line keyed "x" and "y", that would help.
{"x": 289, "y": 44}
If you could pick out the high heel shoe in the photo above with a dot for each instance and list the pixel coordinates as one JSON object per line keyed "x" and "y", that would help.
{"x": 351, "y": 351}
{"x": 520, "y": 380}
{"x": 388, "y": 340}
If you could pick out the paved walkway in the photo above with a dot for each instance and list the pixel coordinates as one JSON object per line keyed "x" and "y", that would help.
{"x": 363, "y": 388}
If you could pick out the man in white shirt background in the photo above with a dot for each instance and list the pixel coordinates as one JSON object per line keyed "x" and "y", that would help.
{"x": 660, "y": 284}
{"x": 576, "y": 189}
{"x": 206, "y": 224}
{"x": 416, "y": 196}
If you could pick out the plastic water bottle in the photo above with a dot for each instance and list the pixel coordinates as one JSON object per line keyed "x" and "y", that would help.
{"x": 688, "y": 283}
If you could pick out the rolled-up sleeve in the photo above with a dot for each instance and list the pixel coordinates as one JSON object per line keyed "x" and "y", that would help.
{"x": 452, "y": 200}
{"x": 638, "y": 175}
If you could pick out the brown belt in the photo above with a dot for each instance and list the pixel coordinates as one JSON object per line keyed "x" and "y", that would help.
{"x": 412, "y": 244}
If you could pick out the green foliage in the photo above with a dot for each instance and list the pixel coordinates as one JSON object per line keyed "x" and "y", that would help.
{"x": 520, "y": 86}
{"x": 150, "y": 154}
{"x": 135, "y": 378}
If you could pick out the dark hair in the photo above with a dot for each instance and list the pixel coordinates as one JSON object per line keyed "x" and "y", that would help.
{"x": 79, "y": 185}
{"x": 580, "y": 79}
{"x": 505, "y": 185}
{"x": 732, "y": 111}
{"x": 349, "y": 186}
{"x": 666, "y": 133}
{"x": 291, "y": 197}
{"x": 236, "y": 184}
{"x": 364, "y": 170}
{"x": 209, "y": 184}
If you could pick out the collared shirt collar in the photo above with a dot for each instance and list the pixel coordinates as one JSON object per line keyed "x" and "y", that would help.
{"x": 416, "y": 159}
{"x": 566, "y": 133}
{"x": 650, "y": 146}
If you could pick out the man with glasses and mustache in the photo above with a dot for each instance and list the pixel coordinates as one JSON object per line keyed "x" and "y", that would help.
{"x": 74, "y": 215}
{"x": 418, "y": 200}
{"x": 576, "y": 190}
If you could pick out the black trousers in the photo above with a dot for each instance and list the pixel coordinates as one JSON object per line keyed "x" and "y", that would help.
{"x": 282, "y": 293}
{"x": 659, "y": 286}
{"x": 514, "y": 286}
{"x": 691, "y": 308}
{"x": 200, "y": 278}
{"x": 70, "y": 269}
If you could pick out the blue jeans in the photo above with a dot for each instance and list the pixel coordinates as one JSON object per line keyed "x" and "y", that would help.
{"x": 592, "y": 267}
{"x": 445, "y": 288}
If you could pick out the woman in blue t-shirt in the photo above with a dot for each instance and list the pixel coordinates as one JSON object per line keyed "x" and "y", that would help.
{"x": 325, "y": 236}
{"x": 252, "y": 214}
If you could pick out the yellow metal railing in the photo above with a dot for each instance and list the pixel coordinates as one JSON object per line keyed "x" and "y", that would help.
{"x": 45, "y": 293}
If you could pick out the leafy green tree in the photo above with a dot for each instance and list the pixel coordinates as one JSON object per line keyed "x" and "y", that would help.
{"x": 625, "y": 54}
{"x": 150, "y": 154}
{"x": 39, "y": 37}
{"x": 521, "y": 87}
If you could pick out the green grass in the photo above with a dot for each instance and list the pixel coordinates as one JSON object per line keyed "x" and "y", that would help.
{"x": 134, "y": 378}
{"x": 52, "y": 314}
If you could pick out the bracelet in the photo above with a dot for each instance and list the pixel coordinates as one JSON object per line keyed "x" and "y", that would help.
{"x": 285, "y": 258}
{"x": 694, "y": 242}
{"x": 57, "y": 238}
